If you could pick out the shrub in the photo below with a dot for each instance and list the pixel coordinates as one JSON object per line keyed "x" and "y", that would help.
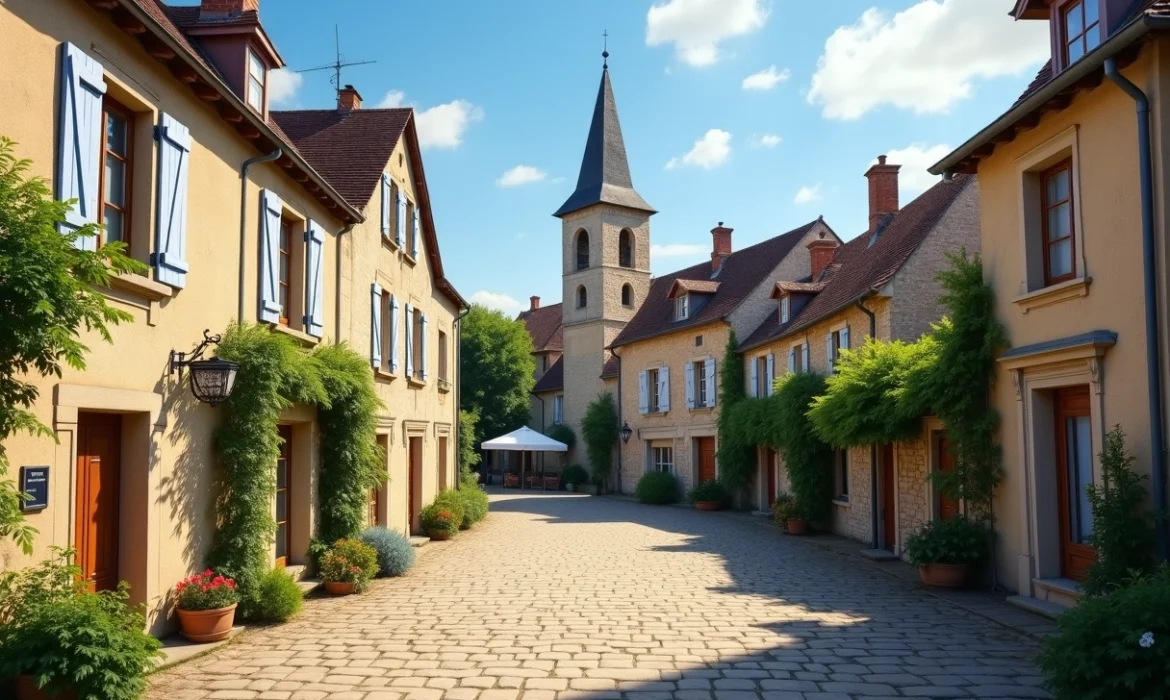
{"x": 657, "y": 488}
{"x": 395, "y": 554}
{"x": 206, "y": 591}
{"x": 711, "y": 490}
{"x": 809, "y": 460}
{"x": 562, "y": 433}
{"x": 453, "y": 502}
{"x": 350, "y": 561}
{"x": 438, "y": 520}
{"x": 1122, "y": 531}
{"x": 279, "y": 597}
{"x": 784, "y": 509}
{"x": 958, "y": 540}
{"x": 475, "y": 504}
{"x": 599, "y": 430}
{"x": 736, "y": 453}
{"x": 1113, "y": 646}
{"x": 574, "y": 475}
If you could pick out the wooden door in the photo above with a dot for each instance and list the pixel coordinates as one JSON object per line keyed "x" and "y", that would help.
{"x": 375, "y": 505}
{"x": 888, "y": 527}
{"x": 283, "y": 483}
{"x": 945, "y": 506}
{"x": 414, "y": 455}
{"x": 771, "y": 467}
{"x": 706, "y": 449}
{"x": 99, "y": 467}
{"x": 1074, "y": 471}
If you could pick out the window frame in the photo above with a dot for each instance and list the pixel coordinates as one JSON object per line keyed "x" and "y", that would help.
{"x": 701, "y": 383}
{"x": 387, "y": 311}
{"x": 626, "y": 248}
{"x": 785, "y": 309}
{"x": 682, "y": 307}
{"x": 582, "y": 297}
{"x": 417, "y": 340}
{"x": 111, "y": 105}
{"x": 762, "y": 375}
{"x": 841, "y": 476}
{"x": 582, "y": 263}
{"x": 1065, "y": 165}
{"x": 558, "y": 409}
{"x": 627, "y": 296}
{"x": 657, "y": 463}
{"x": 653, "y": 400}
{"x": 1066, "y": 41}
{"x": 284, "y": 273}
{"x": 443, "y": 359}
{"x": 411, "y": 243}
{"x": 250, "y": 77}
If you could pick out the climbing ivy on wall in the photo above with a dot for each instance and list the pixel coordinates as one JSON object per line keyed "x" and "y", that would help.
{"x": 737, "y": 453}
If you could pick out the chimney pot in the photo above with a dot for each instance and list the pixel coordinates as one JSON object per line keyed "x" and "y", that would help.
{"x": 883, "y": 191}
{"x": 533, "y": 303}
{"x": 720, "y": 245}
{"x": 349, "y": 99}
{"x": 228, "y": 8}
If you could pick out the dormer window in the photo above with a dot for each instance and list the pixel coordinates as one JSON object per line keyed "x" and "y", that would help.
{"x": 682, "y": 307}
{"x": 783, "y": 309}
{"x": 257, "y": 79}
{"x": 1082, "y": 29}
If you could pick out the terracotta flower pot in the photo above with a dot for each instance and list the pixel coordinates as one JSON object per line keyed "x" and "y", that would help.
{"x": 203, "y": 626}
{"x": 797, "y": 526}
{"x": 25, "y": 688}
{"x": 708, "y": 505}
{"x": 340, "y": 588}
{"x": 439, "y": 535}
{"x": 944, "y": 575}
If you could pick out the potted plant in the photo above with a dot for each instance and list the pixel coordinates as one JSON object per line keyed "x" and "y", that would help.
{"x": 708, "y": 495}
{"x": 788, "y": 514}
{"x": 944, "y": 550}
{"x": 348, "y": 567}
{"x": 574, "y": 475}
{"x": 439, "y": 522}
{"x": 206, "y": 604}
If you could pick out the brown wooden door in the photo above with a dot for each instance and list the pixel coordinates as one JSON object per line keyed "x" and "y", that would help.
{"x": 1074, "y": 471}
{"x": 771, "y": 467}
{"x": 414, "y": 455}
{"x": 283, "y": 484}
{"x": 706, "y": 450}
{"x": 946, "y": 506}
{"x": 99, "y": 457}
{"x": 888, "y": 527}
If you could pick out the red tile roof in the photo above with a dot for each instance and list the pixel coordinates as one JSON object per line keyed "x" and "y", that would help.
{"x": 741, "y": 272}
{"x": 553, "y": 379}
{"x": 865, "y": 267}
{"x": 544, "y": 325}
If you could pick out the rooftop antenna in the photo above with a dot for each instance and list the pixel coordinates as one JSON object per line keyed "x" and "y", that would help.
{"x": 605, "y": 49}
{"x": 337, "y": 64}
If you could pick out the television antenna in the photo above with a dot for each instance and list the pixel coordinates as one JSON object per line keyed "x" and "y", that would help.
{"x": 338, "y": 63}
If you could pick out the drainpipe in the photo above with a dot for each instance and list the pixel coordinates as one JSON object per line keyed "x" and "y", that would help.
{"x": 337, "y": 296}
{"x": 619, "y": 421}
{"x": 244, "y": 219}
{"x": 1149, "y": 250}
{"x": 873, "y": 470}
{"x": 458, "y": 384}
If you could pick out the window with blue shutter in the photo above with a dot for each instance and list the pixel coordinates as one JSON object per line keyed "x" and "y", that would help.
{"x": 314, "y": 319}
{"x": 79, "y": 140}
{"x": 414, "y": 234}
{"x": 425, "y": 357}
{"x": 386, "y": 204}
{"x": 393, "y": 333}
{"x": 400, "y": 219}
{"x": 689, "y": 371}
{"x": 170, "y": 243}
{"x": 409, "y": 341}
{"x": 664, "y": 389}
{"x": 712, "y": 387}
{"x": 376, "y": 325}
{"x": 271, "y": 209}
{"x": 643, "y": 392}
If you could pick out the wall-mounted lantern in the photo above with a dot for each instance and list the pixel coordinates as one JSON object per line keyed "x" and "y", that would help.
{"x": 626, "y": 432}
{"x": 212, "y": 380}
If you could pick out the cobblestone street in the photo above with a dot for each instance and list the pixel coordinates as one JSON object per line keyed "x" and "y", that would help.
{"x": 577, "y": 598}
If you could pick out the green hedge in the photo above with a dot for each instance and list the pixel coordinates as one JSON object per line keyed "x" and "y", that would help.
{"x": 657, "y": 488}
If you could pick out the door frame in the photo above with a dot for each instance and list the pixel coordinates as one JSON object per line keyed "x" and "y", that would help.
{"x": 285, "y": 432}
{"x": 82, "y": 542}
{"x": 888, "y": 493}
{"x": 1070, "y": 402}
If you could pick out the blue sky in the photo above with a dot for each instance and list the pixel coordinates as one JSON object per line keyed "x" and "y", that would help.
{"x": 512, "y": 82}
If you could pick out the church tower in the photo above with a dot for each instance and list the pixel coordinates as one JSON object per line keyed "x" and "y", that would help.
{"x": 605, "y": 243}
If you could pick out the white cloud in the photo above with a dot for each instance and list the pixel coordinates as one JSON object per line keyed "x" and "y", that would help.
{"x": 766, "y": 79}
{"x": 498, "y": 301}
{"x": 677, "y": 250}
{"x": 521, "y": 175}
{"x": 441, "y": 126}
{"x": 915, "y": 159}
{"x": 283, "y": 85}
{"x": 710, "y": 151}
{"x": 765, "y": 140}
{"x": 808, "y": 194}
{"x": 924, "y": 58}
{"x": 696, "y": 27}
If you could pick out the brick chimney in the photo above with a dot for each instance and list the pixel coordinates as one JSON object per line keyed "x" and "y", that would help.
{"x": 720, "y": 245}
{"x": 533, "y": 303}
{"x": 230, "y": 8}
{"x": 348, "y": 99}
{"x": 883, "y": 191}
{"x": 821, "y": 252}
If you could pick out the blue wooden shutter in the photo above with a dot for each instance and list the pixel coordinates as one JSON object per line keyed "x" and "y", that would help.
{"x": 409, "y": 341}
{"x": 829, "y": 353}
{"x": 689, "y": 371}
{"x": 711, "y": 385}
{"x": 845, "y": 338}
{"x": 400, "y": 220}
{"x": 79, "y": 142}
{"x": 314, "y": 319}
{"x": 414, "y": 234}
{"x": 664, "y": 389}
{"x": 643, "y": 392}
{"x": 755, "y": 387}
{"x": 170, "y": 243}
{"x": 804, "y": 358}
{"x": 386, "y": 204}
{"x": 424, "y": 360}
{"x": 770, "y": 378}
{"x": 376, "y": 325}
{"x": 393, "y": 333}
{"x": 270, "y": 210}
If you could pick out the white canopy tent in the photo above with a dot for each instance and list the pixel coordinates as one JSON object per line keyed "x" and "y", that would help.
{"x": 524, "y": 440}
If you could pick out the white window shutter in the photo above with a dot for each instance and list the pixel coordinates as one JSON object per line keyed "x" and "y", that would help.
{"x": 791, "y": 360}
{"x": 409, "y": 341}
{"x": 393, "y": 350}
{"x": 170, "y": 243}
{"x": 643, "y": 392}
{"x": 270, "y": 210}
{"x": 710, "y": 382}
{"x": 386, "y": 204}
{"x": 424, "y": 357}
{"x": 771, "y": 376}
{"x": 845, "y": 337}
{"x": 314, "y": 319}
{"x": 829, "y": 353}
{"x": 414, "y": 234}
{"x": 79, "y": 140}
{"x": 690, "y": 378}
{"x": 755, "y": 388}
{"x": 400, "y": 220}
{"x": 664, "y": 389}
{"x": 376, "y": 325}
{"x": 804, "y": 358}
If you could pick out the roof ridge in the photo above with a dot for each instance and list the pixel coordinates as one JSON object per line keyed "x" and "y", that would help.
{"x": 334, "y": 110}
{"x": 707, "y": 265}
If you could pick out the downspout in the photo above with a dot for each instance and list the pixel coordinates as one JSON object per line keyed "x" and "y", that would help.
{"x": 244, "y": 219}
{"x": 873, "y": 470}
{"x": 337, "y": 295}
{"x": 1149, "y": 250}
{"x": 619, "y": 421}
{"x": 458, "y": 384}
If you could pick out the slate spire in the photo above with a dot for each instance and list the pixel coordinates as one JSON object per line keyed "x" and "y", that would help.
{"x": 605, "y": 173}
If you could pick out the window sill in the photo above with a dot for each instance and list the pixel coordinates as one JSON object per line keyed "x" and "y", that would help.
{"x": 384, "y": 375}
{"x": 141, "y": 286}
{"x": 444, "y": 386}
{"x": 415, "y": 381}
{"x": 844, "y": 503}
{"x": 1063, "y": 291}
{"x": 409, "y": 258}
{"x": 390, "y": 243}
{"x": 703, "y": 409}
{"x": 302, "y": 337}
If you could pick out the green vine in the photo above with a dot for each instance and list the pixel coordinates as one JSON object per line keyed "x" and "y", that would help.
{"x": 599, "y": 430}
{"x": 808, "y": 459}
{"x": 736, "y": 455}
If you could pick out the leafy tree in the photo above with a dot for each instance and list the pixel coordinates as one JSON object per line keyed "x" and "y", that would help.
{"x": 47, "y": 298}
{"x": 599, "y": 430}
{"x": 1122, "y": 532}
{"x": 496, "y": 371}
{"x": 562, "y": 433}
{"x": 737, "y": 454}
{"x": 468, "y": 456}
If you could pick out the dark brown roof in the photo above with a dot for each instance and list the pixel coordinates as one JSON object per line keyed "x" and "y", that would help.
{"x": 544, "y": 325}
{"x": 798, "y": 287}
{"x": 864, "y": 267}
{"x": 187, "y": 17}
{"x": 351, "y": 149}
{"x": 741, "y": 272}
{"x": 553, "y": 379}
{"x": 610, "y": 369}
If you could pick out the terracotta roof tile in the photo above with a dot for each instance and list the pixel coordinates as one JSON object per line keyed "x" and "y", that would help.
{"x": 544, "y": 325}
{"x": 187, "y": 17}
{"x": 553, "y": 379}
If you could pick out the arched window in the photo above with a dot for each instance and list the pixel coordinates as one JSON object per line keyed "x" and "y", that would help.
{"x": 627, "y": 295}
{"x": 582, "y": 249}
{"x": 582, "y": 297}
{"x": 626, "y": 248}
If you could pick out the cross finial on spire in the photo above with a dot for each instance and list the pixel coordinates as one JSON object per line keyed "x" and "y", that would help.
{"x": 605, "y": 49}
